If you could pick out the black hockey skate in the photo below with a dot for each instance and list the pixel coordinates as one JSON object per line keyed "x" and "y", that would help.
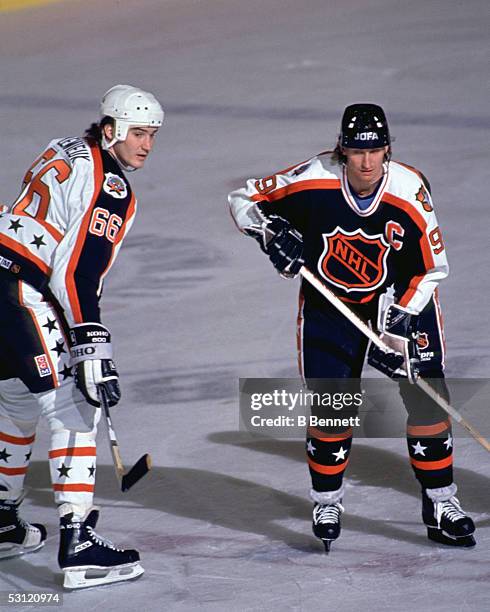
{"x": 326, "y": 522}
{"x": 16, "y": 536}
{"x": 89, "y": 560}
{"x": 446, "y": 521}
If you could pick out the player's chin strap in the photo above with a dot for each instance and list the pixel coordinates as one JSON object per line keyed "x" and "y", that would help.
{"x": 373, "y": 336}
{"x": 108, "y": 145}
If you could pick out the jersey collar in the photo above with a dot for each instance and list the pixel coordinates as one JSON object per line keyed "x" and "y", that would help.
{"x": 347, "y": 193}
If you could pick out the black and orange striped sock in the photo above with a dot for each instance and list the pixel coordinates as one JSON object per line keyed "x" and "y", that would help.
{"x": 328, "y": 456}
{"x": 431, "y": 453}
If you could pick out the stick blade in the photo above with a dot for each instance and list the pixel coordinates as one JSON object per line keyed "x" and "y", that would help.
{"x": 139, "y": 469}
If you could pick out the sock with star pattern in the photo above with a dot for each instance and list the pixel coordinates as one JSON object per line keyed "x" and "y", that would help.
{"x": 328, "y": 456}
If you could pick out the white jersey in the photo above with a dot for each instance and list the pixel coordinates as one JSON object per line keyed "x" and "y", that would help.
{"x": 63, "y": 232}
{"x": 394, "y": 242}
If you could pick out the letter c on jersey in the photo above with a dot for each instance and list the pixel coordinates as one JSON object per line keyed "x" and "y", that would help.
{"x": 394, "y": 233}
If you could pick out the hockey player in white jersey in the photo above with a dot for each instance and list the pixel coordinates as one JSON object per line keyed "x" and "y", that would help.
{"x": 57, "y": 242}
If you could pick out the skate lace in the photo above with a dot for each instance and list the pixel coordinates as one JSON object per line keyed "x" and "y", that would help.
{"x": 328, "y": 513}
{"x": 102, "y": 541}
{"x": 450, "y": 509}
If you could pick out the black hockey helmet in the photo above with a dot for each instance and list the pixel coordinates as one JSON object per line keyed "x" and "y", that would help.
{"x": 364, "y": 126}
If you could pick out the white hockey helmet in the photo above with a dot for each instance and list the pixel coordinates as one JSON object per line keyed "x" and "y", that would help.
{"x": 129, "y": 106}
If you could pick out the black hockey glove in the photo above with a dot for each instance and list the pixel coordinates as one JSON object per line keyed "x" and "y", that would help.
{"x": 282, "y": 243}
{"x": 91, "y": 355}
{"x": 397, "y": 332}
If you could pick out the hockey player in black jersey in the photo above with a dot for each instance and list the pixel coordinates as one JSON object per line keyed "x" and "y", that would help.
{"x": 365, "y": 224}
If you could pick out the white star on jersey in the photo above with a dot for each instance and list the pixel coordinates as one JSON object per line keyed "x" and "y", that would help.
{"x": 310, "y": 448}
{"x": 419, "y": 449}
{"x": 448, "y": 442}
{"x": 340, "y": 455}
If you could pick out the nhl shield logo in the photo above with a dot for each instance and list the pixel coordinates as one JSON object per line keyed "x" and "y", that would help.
{"x": 354, "y": 261}
{"x": 422, "y": 341}
{"x": 115, "y": 186}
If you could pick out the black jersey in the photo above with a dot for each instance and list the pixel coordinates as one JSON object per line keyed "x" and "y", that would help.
{"x": 395, "y": 242}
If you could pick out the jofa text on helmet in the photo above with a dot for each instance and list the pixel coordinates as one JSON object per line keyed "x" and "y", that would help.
{"x": 366, "y": 136}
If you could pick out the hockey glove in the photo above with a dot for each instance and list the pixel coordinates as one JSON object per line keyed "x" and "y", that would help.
{"x": 400, "y": 361}
{"x": 281, "y": 242}
{"x": 91, "y": 355}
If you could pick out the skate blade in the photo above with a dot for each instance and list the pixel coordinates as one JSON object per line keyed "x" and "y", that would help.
{"x": 16, "y": 550}
{"x": 439, "y": 536}
{"x": 327, "y": 544}
{"x": 92, "y": 576}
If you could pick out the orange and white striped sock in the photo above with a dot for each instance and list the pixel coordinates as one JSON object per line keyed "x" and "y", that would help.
{"x": 16, "y": 440}
{"x": 72, "y": 463}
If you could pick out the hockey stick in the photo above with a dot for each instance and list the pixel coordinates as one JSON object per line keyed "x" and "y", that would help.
{"x": 139, "y": 469}
{"x": 373, "y": 336}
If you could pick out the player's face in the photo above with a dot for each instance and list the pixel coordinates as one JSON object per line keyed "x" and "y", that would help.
{"x": 364, "y": 166}
{"x": 135, "y": 149}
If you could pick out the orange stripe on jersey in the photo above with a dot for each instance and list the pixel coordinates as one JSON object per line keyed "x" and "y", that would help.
{"x": 121, "y": 233}
{"x": 72, "y": 265}
{"x": 16, "y": 440}
{"x": 424, "y": 243}
{"x": 129, "y": 215}
{"x": 40, "y": 336}
{"x": 428, "y": 430}
{"x": 323, "y": 437}
{"x": 79, "y": 451}
{"x": 419, "y": 222}
{"x": 328, "y": 469}
{"x": 410, "y": 292}
{"x": 75, "y": 488}
{"x": 24, "y": 251}
{"x": 19, "y": 209}
{"x": 407, "y": 207}
{"x": 282, "y": 192}
{"x": 13, "y": 471}
{"x": 432, "y": 465}
{"x": 57, "y": 235}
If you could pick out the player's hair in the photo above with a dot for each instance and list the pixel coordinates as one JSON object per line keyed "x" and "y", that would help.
{"x": 95, "y": 129}
{"x": 339, "y": 158}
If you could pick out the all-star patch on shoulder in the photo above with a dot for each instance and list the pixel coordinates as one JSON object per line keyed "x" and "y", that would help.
{"x": 115, "y": 186}
{"x": 423, "y": 198}
{"x": 301, "y": 169}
